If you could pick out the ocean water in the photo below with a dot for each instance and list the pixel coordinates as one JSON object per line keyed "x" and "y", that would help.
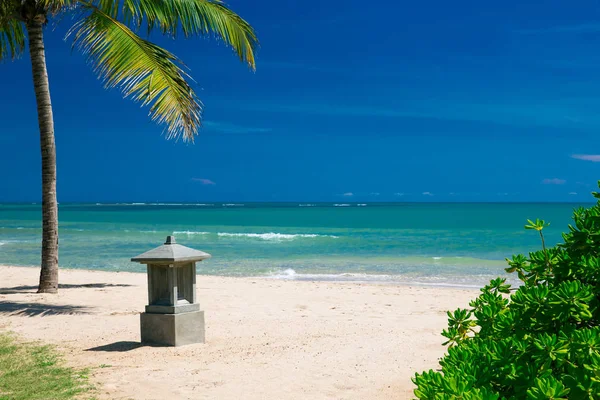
{"x": 425, "y": 243}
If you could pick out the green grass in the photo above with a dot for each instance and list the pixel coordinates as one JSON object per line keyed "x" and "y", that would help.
{"x": 30, "y": 371}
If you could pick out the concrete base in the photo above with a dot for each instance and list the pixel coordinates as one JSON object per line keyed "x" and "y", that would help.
{"x": 173, "y": 329}
{"x": 180, "y": 308}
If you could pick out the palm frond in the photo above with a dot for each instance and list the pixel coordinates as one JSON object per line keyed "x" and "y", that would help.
{"x": 56, "y": 6}
{"x": 191, "y": 17}
{"x": 12, "y": 32}
{"x": 144, "y": 71}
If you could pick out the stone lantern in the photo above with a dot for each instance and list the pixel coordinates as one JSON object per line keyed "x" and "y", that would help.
{"x": 173, "y": 315}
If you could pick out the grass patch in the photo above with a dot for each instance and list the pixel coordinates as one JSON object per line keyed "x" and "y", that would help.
{"x": 30, "y": 372}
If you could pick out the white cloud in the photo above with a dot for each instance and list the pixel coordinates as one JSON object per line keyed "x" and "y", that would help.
{"x": 587, "y": 157}
{"x": 575, "y": 28}
{"x": 427, "y": 194}
{"x": 554, "y": 181}
{"x": 226, "y": 127}
{"x": 573, "y": 193}
{"x": 203, "y": 181}
{"x": 348, "y": 194}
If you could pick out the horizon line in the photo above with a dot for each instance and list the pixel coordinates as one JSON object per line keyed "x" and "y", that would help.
{"x": 233, "y": 202}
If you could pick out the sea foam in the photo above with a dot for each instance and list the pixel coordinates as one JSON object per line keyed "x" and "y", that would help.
{"x": 284, "y": 274}
{"x": 273, "y": 236}
{"x": 190, "y": 233}
{"x": 290, "y": 274}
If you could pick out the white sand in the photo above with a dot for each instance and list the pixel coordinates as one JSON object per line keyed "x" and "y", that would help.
{"x": 266, "y": 339}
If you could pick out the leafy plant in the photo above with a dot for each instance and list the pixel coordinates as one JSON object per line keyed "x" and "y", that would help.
{"x": 540, "y": 342}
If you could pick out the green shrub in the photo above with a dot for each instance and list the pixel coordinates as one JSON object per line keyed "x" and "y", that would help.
{"x": 541, "y": 342}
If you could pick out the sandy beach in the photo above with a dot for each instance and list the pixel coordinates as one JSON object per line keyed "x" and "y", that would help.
{"x": 266, "y": 339}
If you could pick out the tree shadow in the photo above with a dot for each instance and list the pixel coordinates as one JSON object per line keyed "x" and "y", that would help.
{"x": 34, "y": 309}
{"x": 24, "y": 289}
{"x": 118, "y": 347}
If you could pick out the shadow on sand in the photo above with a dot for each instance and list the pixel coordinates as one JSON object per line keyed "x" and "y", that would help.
{"x": 34, "y": 309}
{"x": 33, "y": 289}
{"x": 118, "y": 347}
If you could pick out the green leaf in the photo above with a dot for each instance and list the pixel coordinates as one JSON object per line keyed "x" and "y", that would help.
{"x": 144, "y": 71}
{"x": 12, "y": 31}
{"x": 190, "y": 17}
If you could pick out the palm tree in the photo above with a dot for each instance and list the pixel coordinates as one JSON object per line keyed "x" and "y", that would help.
{"x": 106, "y": 31}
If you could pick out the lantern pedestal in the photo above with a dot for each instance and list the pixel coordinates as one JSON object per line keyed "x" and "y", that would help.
{"x": 173, "y": 329}
{"x": 173, "y": 316}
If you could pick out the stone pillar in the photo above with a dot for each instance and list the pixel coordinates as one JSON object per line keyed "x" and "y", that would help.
{"x": 173, "y": 316}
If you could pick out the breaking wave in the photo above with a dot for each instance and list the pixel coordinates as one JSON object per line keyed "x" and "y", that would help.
{"x": 190, "y": 233}
{"x": 291, "y": 274}
{"x": 273, "y": 236}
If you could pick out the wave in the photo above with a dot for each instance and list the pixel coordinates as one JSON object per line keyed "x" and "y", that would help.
{"x": 284, "y": 274}
{"x": 190, "y": 233}
{"x": 232, "y": 205}
{"x": 341, "y": 205}
{"x": 12, "y": 241}
{"x": 306, "y": 205}
{"x": 291, "y": 274}
{"x": 361, "y": 205}
{"x": 274, "y": 236}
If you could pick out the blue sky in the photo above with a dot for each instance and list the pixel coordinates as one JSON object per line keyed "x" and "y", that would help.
{"x": 398, "y": 101}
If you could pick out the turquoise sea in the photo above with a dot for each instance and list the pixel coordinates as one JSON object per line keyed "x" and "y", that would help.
{"x": 424, "y": 243}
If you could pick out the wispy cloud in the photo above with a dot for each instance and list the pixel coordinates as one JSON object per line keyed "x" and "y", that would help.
{"x": 590, "y": 27}
{"x": 226, "y": 127}
{"x": 554, "y": 181}
{"x": 348, "y": 194}
{"x": 300, "y": 23}
{"x": 546, "y": 114}
{"x": 587, "y": 157}
{"x": 399, "y": 194}
{"x": 374, "y": 194}
{"x": 573, "y": 193}
{"x": 427, "y": 194}
{"x": 304, "y": 66}
{"x": 203, "y": 181}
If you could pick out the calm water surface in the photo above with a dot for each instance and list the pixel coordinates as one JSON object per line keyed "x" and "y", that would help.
{"x": 446, "y": 244}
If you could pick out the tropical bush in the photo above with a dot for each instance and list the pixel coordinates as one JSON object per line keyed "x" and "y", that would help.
{"x": 540, "y": 342}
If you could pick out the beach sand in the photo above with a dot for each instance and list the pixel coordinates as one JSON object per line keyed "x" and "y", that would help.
{"x": 265, "y": 339}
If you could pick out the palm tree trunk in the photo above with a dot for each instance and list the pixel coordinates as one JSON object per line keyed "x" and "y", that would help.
{"x": 49, "y": 272}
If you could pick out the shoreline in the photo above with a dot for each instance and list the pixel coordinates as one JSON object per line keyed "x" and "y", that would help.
{"x": 265, "y": 338}
{"x": 372, "y": 279}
